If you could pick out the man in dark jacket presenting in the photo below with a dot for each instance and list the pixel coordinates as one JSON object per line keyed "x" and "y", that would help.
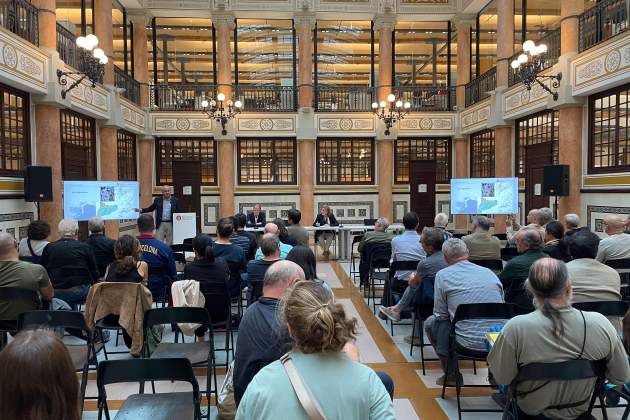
{"x": 164, "y": 208}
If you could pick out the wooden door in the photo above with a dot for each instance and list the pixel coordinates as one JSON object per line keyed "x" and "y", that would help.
{"x": 75, "y": 162}
{"x": 536, "y": 158}
{"x": 186, "y": 187}
{"x": 422, "y": 190}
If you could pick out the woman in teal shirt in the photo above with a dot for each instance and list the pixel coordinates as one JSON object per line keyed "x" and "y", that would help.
{"x": 344, "y": 388}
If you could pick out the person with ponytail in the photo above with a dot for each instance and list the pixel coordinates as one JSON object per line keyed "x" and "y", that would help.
{"x": 206, "y": 268}
{"x": 322, "y": 334}
{"x": 555, "y": 332}
{"x": 127, "y": 266}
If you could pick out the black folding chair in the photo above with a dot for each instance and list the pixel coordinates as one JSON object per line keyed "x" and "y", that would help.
{"x": 508, "y": 253}
{"x": 378, "y": 256}
{"x": 188, "y": 241}
{"x": 219, "y": 306}
{"x": 393, "y": 288}
{"x": 354, "y": 272}
{"x": 163, "y": 406}
{"x": 494, "y": 265}
{"x": 420, "y": 314}
{"x": 14, "y": 295}
{"x": 185, "y": 247}
{"x": 457, "y": 352}
{"x": 605, "y": 307}
{"x": 622, "y": 266}
{"x": 256, "y": 291}
{"x": 501, "y": 236}
{"x": 82, "y": 355}
{"x": 199, "y": 353}
{"x": 570, "y": 370}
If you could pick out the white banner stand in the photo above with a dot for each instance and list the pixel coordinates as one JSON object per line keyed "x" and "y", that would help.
{"x": 184, "y": 226}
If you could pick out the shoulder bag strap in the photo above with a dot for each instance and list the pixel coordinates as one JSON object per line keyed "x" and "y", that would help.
{"x": 307, "y": 400}
{"x": 30, "y": 248}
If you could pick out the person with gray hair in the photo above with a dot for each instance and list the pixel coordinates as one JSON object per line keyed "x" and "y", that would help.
{"x": 555, "y": 332}
{"x": 256, "y": 269}
{"x": 378, "y": 235}
{"x": 102, "y": 246}
{"x": 534, "y": 218}
{"x": 261, "y": 337}
{"x": 481, "y": 245}
{"x": 529, "y": 244}
{"x": 22, "y": 275}
{"x": 545, "y": 215}
{"x": 272, "y": 228}
{"x": 571, "y": 223}
{"x": 71, "y": 265}
{"x": 441, "y": 222}
{"x": 460, "y": 283}
{"x": 617, "y": 245}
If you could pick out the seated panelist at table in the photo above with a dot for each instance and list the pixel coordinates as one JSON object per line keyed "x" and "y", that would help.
{"x": 164, "y": 208}
{"x": 324, "y": 237}
{"x": 256, "y": 218}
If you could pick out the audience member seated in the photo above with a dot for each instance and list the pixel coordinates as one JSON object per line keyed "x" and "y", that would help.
{"x": 157, "y": 255}
{"x": 572, "y": 224}
{"x": 71, "y": 265}
{"x": 36, "y": 239}
{"x": 617, "y": 245}
{"x": 296, "y": 231}
{"x": 378, "y": 235}
{"x": 407, "y": 247}
{"x": 325, "y": 237}
{"x": 421, "y": 282}
{"x": 22, "y": 275}
{"x": 231, "y": 253}
{"x": 441, "y": 222}
{"x": 534, "y": 218}
{"x": 243, "y": 239}
{"x": 305, "y": 258}
{"x": 127, "y": 266}
{"x": 256, "y": 269}
{"x": 459, "y": 283}
{"x": 545, "y": 215}
{"x": 481, "y": 245}
{"x": 555, "y": 246}
{"x": 284, "y": 248}
{"x": 555, "y": 332}
{"x": 591, "y": 280}
{"x": 529, "y": 245}
{"x": 256, "y": 218}
{"x": 283, "y": 233}
{"x": 262, "y": 338}
{"x": 102, "y": 246}
{"x": 39, "y": 380}
{"x": 343, "y": 388}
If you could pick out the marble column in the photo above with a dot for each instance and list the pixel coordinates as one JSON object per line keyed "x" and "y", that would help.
{"x": 224, "y": 25}
{"x": 385, "y": 25}
{"x": 503, "y": 136}
{"x": 47, "y": 123}
{"x": 570, "y": 118}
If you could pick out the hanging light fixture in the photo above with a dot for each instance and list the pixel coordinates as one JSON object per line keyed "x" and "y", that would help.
{"x": 530, "y": 63}
{"x": 391, "y": 111}
{"x": 94, "y": 60}
{"x": 218, "y": 112}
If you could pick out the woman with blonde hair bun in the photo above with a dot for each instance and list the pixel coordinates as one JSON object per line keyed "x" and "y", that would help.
{"x": 337, "y": 386}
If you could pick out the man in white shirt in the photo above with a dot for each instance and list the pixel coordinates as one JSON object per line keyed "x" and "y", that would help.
{"x": 617, "y": 245}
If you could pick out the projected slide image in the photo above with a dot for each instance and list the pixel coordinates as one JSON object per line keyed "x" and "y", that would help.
{"x": 484, "y": 196}
{"x": 111, "y": 200}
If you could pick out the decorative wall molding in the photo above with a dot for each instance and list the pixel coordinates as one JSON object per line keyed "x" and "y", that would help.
{"x": 21, "y": 63}
{"x": 134, "y": 117}
{"x": 11, "y": 186}
{"x": 606, "y": 65}
{"x": 262, "y": 126}
{"x": 272, "y": 210}
{"x": 210, "y": 214}
{"x": 181, "y": 124}
{"x": 475, "y": 117}
{"x": 519, "y": 101}
{"x": 596, "y": 214}
{"x": 86, "y": 99}
{"x": 429, "y": 124}
{"x": 327, "y": 124}
{"x": 349, "y": 212}
{"x": 606, "y": 181}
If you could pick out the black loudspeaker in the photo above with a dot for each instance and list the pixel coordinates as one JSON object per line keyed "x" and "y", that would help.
{"x": 38, "y": 183}
{"x": 556, "y": 180}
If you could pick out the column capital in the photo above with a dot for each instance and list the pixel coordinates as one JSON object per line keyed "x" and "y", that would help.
{"x": 224, "y": 18}
{"x": 463, "y": 19}
{"x": 139, "y": 17}
{"x": 385, "y": 21}
{"x": 305, "y": 18}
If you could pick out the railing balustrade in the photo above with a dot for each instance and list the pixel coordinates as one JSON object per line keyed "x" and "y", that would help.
{"x": 270, "y": 98}
{"x": 340, "y": 98}
{"x": 427, "y": 98}
{"x": 21, "y": 18}
{"x": 480, "y": 88}
{"x": 181, "y": 96}
{"x": 552, "y": 41}
{"x": 129, "y": 84}
{"x": 602, "y": 21}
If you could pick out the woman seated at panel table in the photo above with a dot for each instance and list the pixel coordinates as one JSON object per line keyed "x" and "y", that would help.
{"x": 325, "y": 237}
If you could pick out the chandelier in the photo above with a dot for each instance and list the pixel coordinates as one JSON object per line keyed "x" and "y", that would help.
{"x": 391, "y": 111}
{"x": 532, "y": 62}
{"x": 93, "y": 61}
{"x": 216, "y": 110}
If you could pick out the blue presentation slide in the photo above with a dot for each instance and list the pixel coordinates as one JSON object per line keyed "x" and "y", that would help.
{"x": 484, "y": 196}
{"x": 112, "y": 200}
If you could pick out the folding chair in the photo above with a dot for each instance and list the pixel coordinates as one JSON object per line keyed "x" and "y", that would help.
{"x": 199, "y": 353}
{"x": 82, "y": 355}
{"x": 494, "y": 265}
{"x": 622, "y": 266}
{"x": 353, "y": 268}
{"x": 15, "y": 295}
{"x": 420, "y": 314}
{"x": 185, "y": 247}
{"x": 457, "y": 352}
{"x": 508, "y": 253}
{"x": 605, "y": 307}
{"x": 378, "y": 256}
{"x": 394, "y": 267}
{"x": 569, "y": 370}
{"x": 219, "y": 306}
{"x": 162, "y": 406}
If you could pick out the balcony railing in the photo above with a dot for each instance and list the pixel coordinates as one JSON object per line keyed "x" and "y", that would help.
{"x": 552, "y": 40}
{"x": 427, "y": 98}
{"x": 604, "y": 20}
{"x": 21, "y": 18}
{"x": 70, "y": 53}
{"x": 180, "y": 96}
{"x": 129, "y": 84}
{"x": 480, "y": 88}
{"x": 331, "y": 98}
{"x": 267, "y": 98}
